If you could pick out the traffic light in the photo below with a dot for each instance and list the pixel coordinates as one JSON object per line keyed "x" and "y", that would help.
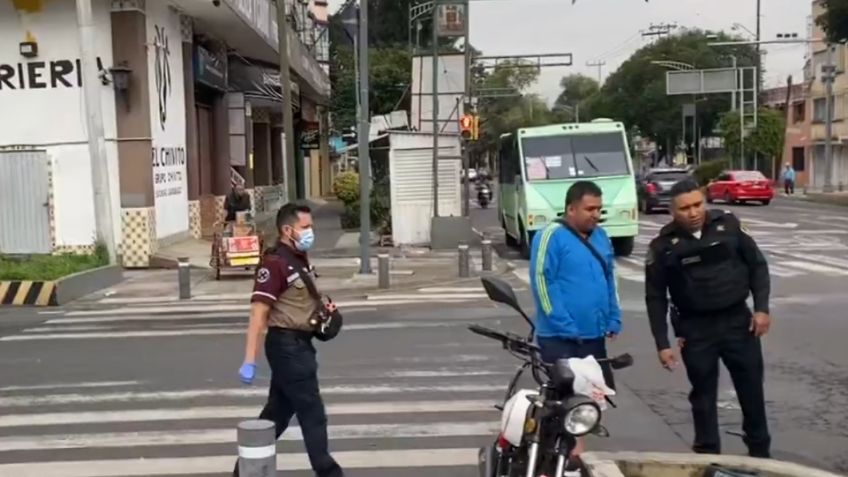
{"x": 475, "y": 135}
{"x": 466, "y": 127}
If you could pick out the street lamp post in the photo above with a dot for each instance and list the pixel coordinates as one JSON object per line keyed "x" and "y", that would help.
{"x": 828, "y": 74}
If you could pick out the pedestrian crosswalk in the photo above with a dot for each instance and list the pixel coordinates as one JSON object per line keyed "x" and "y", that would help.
{"x": 782, "y": 264}
{"x": 123, "y": 429}
{"x": 224, "y": 314}
{"x": 428, "y": 405}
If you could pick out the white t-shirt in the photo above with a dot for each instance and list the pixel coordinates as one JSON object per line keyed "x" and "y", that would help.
{"x": 697, "y": 234}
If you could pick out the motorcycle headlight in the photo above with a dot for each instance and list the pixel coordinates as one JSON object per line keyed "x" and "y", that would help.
{"x": 582, "y": 419}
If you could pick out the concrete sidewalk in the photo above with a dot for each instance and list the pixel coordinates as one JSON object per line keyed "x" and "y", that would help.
{"x": 338, "y": 276}
{"x": 831, "y": 198}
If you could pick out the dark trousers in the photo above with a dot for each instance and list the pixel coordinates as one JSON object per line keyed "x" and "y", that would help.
{"x": 294, "y": 391}
{"x": 728, "y": 339}
{"x": 789, "y": 186}
{"x": 553, "y": 349}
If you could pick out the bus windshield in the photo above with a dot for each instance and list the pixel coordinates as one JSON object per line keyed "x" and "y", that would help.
{"x": 574, "y": 156}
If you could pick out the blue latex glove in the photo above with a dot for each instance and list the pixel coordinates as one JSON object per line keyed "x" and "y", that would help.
{"x": 247, "y": 372}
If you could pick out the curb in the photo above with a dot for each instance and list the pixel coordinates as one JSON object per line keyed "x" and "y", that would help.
{"x": 61, "y": 291}
{"x": 619, "y": 464}
{"x": 26, "y": 292}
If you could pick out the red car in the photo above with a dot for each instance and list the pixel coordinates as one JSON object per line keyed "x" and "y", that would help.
{"x": 741, "y": 186}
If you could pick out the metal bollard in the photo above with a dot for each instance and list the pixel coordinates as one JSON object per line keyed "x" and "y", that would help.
{"x": 184, "y": 274}
{"x": 463, "y": 261}
{"x": 487, "y": 255}
{"x": 384, "y": 278}
{"x": 257, "y": 449}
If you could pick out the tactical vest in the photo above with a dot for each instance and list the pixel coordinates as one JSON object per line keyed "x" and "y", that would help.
{"x": 295, "y": 306}
{"x": 708, "y": 275}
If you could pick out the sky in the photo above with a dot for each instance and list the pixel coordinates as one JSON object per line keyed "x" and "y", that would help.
{"x": 609, "y": 30}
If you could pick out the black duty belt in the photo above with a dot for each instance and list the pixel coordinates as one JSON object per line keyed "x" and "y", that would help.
{"x": 302, "y": 334}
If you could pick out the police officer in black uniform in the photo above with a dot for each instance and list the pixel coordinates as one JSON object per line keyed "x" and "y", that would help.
{"x": 709, "y": 265}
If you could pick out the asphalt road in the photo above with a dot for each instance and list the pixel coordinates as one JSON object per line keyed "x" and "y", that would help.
{"x": 117, "y": 388}
{"x": 806, "y": 357}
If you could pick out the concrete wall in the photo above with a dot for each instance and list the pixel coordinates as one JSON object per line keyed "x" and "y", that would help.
{"x": 43, "y": 107}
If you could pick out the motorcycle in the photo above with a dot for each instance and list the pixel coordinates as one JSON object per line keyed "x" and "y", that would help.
{"x": 484, "y": 195}
{"x": 539, "y": 428}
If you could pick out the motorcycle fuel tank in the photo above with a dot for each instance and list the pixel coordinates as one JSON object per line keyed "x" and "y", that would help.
{"x": 514, "y": 416}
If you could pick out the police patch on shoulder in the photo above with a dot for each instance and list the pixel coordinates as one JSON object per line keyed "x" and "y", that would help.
{"x": 744, "y": 227}
{"x": 263, "y": 275}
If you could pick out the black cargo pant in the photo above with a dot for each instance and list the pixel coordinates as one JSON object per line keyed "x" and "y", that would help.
{"x": 294, "y": 391}
{"x": 726, "y": 337}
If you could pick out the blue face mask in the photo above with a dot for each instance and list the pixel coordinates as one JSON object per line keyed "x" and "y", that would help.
{"x": 306, "y": 240}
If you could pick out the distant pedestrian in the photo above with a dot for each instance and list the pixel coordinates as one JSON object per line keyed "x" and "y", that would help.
{"x": 283, "y": 303}
{"x": 788, "y": 179}
{"x": 709, "y": 265}
{"x": 573, "y": 282}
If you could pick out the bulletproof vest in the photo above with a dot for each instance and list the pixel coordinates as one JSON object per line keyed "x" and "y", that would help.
{"x": 295, "y": 306}
{"x": 708, "y": 275}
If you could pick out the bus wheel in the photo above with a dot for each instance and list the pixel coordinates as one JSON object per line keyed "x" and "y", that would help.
{"x": 525, "y": 244}
{"x": 510, "y": 241}
{"x": 623, "y": 246}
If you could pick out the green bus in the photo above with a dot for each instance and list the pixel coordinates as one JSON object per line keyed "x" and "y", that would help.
{"x": 538, "y": 164}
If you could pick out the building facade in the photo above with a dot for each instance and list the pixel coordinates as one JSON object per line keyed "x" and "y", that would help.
{"x": 816, "y": 110}
{"x": 191, "y": 104}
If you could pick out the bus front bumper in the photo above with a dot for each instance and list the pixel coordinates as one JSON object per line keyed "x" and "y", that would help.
{"x": 616, "y": 230}
{"x": 621, "y": 230}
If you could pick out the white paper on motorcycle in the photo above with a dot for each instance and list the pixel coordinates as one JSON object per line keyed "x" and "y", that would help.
{"x": 589, "y": 380}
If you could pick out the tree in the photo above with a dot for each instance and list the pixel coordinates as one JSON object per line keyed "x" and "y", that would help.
{"x": 636, "y": 93}
{"x": 512, "y": 108}
{"x": 767, "y": 139}
{"x": 576, "y": 89}
{"x": 834, "y": 21}
{"x": 390, "y": 71}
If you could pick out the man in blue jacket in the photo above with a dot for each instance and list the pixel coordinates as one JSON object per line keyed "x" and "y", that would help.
{"x": 572, "y": 276}
{"x": 573, "y": 281}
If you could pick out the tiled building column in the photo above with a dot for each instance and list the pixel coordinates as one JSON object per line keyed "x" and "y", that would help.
{"x": 192, "y": 153}
{"x": 138, "y": 217}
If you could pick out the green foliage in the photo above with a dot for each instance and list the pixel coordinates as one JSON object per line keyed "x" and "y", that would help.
{"x": 389, "y": 74}
{"x": 576, "y": 90}
{"x": 499, "y": 115}
{"x": 834, "y": 21}
{"x": 709, "y": 170}
{"x": 346, "y": 187}
{"x": 767, "y": 139}
{"x": 50, "y": 267}
{"x": 636, "y": 93}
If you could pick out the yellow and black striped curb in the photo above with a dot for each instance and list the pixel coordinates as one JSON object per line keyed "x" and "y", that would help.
{"x": 28, "y": 293}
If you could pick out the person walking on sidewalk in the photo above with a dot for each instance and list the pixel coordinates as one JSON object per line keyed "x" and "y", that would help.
{"x": 573, "y": 282}
{"x": 709, "y": 265}
{"x": 788, "y": 177}
{"x": 282, "y": 303}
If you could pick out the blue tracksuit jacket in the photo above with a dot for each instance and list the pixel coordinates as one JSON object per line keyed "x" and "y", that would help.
{"x": 574, "y": 298}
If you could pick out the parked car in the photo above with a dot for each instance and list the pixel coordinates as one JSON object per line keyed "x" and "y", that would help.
{"x": 741, "y": 186}
{"x": 654, "y": 188}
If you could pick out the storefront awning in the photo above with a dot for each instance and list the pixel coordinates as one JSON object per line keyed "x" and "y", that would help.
{"x": 259, "y": 82}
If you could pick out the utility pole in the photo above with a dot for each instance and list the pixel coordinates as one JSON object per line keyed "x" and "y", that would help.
{"x": 285, "y": 86}
{"x": 435, "y": 108}
{"x": 363, "y": 144}
{"x": 599, "y": 65}
{"x": 757, "y": 76}
{"x": 466, "y": 160}
{"x": 828, "y": 76}
{"x": 659, "y": 30}
{"x": 104, "y": 226}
